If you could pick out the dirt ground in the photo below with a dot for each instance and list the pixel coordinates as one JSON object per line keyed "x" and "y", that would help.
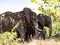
{"x": 41, "y": 42}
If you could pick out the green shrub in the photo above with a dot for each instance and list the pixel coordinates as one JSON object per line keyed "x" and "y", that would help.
{"x": 7, "y": 38}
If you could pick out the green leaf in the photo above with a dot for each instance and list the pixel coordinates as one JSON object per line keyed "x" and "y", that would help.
{"x": 34, "y": 1}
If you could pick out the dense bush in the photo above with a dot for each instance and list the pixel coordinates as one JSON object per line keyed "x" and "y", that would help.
{"x": 55, "y": 27}
{"x": 9, "y": 38}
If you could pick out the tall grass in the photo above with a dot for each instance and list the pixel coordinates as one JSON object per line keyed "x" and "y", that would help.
{"x": 9, "y": 38}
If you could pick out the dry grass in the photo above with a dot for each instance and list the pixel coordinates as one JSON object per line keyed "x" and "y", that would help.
{"x": 41, "y": 42}
{"x": 8, "y": 39}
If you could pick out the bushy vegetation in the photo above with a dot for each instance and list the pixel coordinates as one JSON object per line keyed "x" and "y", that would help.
{"x": 48, "y": 7}
{"x": 56, "y": 27}
{"x": 51, "y": 8}
{"x": 9, "y": 38}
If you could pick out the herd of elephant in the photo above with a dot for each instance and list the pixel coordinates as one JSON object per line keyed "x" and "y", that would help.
{"x": 30, "y": 25}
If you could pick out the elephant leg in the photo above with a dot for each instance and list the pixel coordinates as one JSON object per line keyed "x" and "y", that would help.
{"x": 50, "y": 30}
{"x": 44, "y": 34}
{"x": 36, "y": 34}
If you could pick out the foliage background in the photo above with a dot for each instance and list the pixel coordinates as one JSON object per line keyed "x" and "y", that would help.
{"x": 51, "y": 8}
{"x": 48, "y": 7}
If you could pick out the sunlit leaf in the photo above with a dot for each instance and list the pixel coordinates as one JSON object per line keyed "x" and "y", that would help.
{"x": 34, "y": 1}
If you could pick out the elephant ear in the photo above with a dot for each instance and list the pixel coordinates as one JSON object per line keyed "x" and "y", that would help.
{"x": 27, "y": 14}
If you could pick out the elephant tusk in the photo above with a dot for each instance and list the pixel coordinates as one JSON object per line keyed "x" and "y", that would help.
{"x": 38, "y": 28}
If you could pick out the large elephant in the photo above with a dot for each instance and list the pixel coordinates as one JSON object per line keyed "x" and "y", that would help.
{"x": 45, "y": 20}
{"x": 24, "y": 29}
{"x": 32, "y": 22}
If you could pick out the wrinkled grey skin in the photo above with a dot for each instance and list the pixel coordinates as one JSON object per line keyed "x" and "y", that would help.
{"x": 45, "y": 20}
{"x": 6, "y": 22}
{"x": 21, "y": 30}
{"x": 32, "y": 19}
